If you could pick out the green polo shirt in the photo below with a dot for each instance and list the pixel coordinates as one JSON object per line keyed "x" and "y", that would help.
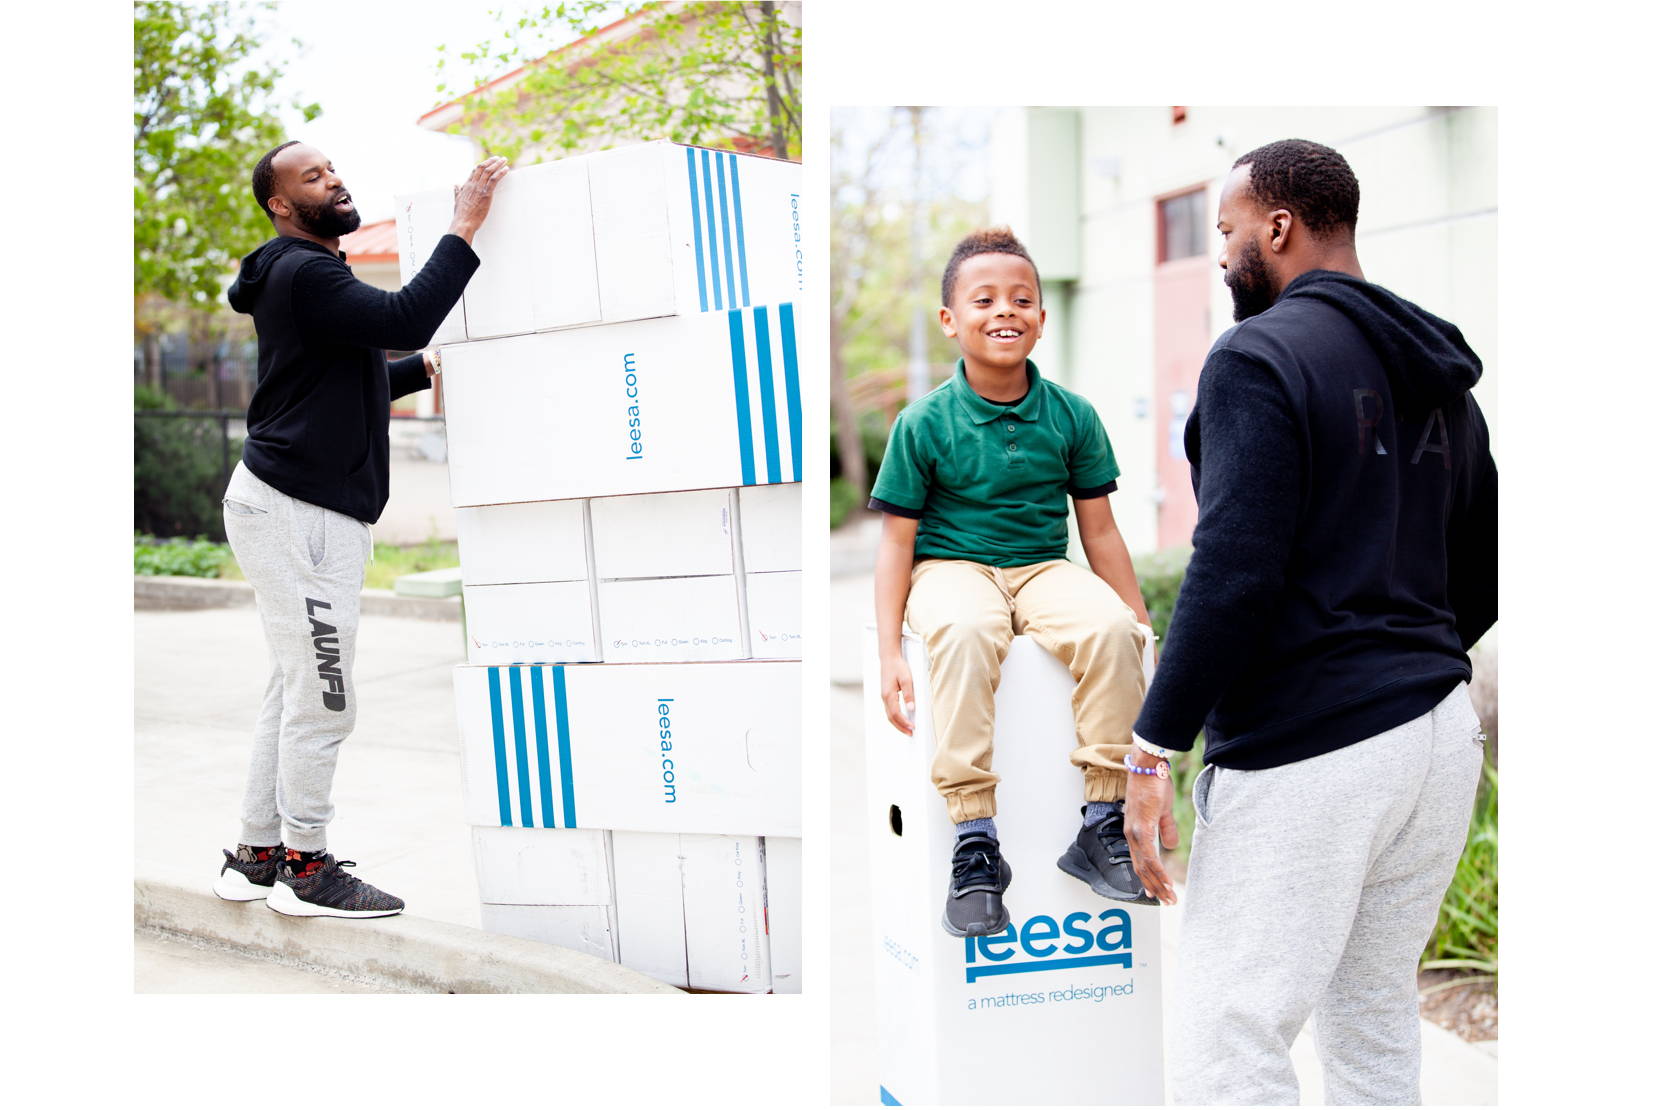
{"x": 990, "y": 482}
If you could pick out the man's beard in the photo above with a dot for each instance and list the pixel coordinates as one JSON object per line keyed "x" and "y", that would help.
{"x": 1250, "y": 283}
{"x": 325, "y": 220}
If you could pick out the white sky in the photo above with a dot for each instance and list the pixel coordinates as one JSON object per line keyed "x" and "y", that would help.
{"x": 371, "y": 65}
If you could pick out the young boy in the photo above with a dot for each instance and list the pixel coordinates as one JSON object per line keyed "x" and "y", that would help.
{"x": 974, "y": 490}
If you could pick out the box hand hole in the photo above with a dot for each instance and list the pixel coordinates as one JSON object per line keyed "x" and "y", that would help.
{"x": 894, "y": 819}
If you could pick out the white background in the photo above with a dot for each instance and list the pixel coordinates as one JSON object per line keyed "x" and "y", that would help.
{"x": 1578, "y": 413}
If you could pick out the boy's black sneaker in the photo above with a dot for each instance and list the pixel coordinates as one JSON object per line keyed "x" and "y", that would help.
{"x": 1100, "y": 858}
{"x": 245, "y": 877}
{"x": 975, "y": 893}
{"x": 329, "y": 891}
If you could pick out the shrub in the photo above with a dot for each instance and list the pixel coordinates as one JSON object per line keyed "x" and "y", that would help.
{"x": 197, "y": 558}
{"x": 1467, "y": 936}
{"x": 179, "y": 475}
{"x": 1160, "y": 574}
{"x": 844, "y": 500}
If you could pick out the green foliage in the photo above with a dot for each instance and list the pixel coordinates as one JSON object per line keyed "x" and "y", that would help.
{"x": 149, "y": 399}
{"x": 1467, "y": 936}
{"x": 392, "y": 562}
{"x": 1160, "y": 575}
{"x": 202, "y": 116}
{"x": 844, "y": 500}
{"x": 702, "y": 73}
{"x": 179, "y": 475}
{"x": 195, "y": 558}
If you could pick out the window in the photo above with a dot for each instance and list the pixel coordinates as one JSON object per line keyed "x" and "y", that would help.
{"x": 1182, "y": 225}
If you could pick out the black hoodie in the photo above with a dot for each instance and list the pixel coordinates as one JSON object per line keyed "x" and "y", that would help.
{"x": 317, "y": 423}
{"x": 1345, "y": 555}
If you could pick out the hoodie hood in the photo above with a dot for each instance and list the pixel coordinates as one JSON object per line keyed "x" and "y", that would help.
{"x": 257, "y": 265}
{"x": 1425, "y": 356}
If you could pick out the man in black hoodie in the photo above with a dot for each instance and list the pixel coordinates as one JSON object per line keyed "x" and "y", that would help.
{"x": 313, "y": 477}
{"x": 1344, "y": 563}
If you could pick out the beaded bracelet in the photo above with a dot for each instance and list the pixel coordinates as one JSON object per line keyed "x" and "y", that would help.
{"x": 1159, "y": 770}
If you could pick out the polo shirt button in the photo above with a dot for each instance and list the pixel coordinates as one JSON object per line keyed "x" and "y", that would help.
{"x": 1012, "y": 447}
{"x": 1009, "y": 427}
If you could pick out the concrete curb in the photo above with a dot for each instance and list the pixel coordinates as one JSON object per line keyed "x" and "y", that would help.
{"x": 161, "y": 591}
{"x": 405, "y": 953}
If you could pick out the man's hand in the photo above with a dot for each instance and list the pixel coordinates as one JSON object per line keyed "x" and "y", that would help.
{"x": 896, "y": 685}
{"x": 1149, "y": 825}
{"x": 473, "y": 197}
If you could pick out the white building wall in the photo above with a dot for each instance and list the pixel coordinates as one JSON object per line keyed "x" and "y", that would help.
{"x": 1427, "y": 230}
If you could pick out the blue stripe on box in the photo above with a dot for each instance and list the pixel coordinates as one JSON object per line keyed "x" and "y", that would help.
{"x": 540, "y": 715}
{"x": 710, "y": 217}
{"x": 499, "y": 748}
{"x": 738, "y": 219}
{"x": 793, "y": 387}
{"x": 884, "y": 1097}
{"x": 521, "y": 757}
{"x": 562, "y": 724}
{"x": 741, "y": 395}
{"x": 726, "y": 229}
{"x": 764, "y": 376}
{"x": 698, "y": 230}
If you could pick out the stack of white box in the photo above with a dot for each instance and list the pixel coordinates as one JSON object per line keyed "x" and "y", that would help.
{"x": 624, "y": 414}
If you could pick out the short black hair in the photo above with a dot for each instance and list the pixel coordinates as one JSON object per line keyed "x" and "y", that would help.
{"x": 1311, "y": 181}
{"x": 989, "y": 240}
{"x": 265, "y": 178}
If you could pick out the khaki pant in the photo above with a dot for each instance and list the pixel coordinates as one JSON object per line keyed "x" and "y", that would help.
{"x": 967, "y": 613}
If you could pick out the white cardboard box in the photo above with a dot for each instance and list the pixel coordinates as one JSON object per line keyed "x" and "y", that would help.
{"x": 663, "y": 535}
{"x": 683, "y": 229}
{"x": 542, "y": 867}
{"x": 674, "y": 747}
{"x": 530, "y": 622}
{"x": 782, "y": 863}
{"x": 655, "y": 229}
{"x": 774, "y": 605}
{"x": 540, "y": 541}
{"x": 421, "y": 221}
{"x": 690, "y": 909}
{"x": 670, "y": 620}
{"x": 1069, "y": 995}
{"x": 770, "y": 522}
{"x": 584, "y": 928}
{"x": 684, "y": 402}
{"x": 536, "y": 255}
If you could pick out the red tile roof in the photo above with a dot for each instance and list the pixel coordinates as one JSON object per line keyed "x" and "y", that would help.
{"x": 376, "y": 242}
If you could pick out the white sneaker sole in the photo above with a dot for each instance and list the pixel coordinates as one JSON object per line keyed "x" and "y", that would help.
{"x": 233, "y": 886}
{"x": 283, "y": 899}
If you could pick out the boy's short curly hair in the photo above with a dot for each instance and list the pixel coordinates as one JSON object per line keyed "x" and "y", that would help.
{"x": 1311, "y": 181}
{"x": 988, "y": 240}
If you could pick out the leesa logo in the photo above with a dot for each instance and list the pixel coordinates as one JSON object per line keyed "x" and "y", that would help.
{"x": 1037, "y": 945}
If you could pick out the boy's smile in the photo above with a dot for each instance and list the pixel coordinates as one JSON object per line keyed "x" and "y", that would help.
{"x": 995, "y": 316}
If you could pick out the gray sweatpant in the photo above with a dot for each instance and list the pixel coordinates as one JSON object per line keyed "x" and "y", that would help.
{"x": 1313, "y": 888}
{"x": 306, "y": 564}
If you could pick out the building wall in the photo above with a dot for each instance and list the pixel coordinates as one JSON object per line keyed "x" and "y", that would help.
{"x": 1427, "y": 230}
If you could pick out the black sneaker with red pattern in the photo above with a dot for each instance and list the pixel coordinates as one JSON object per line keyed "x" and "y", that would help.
{"x": 316, "y": 885}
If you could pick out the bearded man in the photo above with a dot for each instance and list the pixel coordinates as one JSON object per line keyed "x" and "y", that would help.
{"x": 312, "y": 479}
{"x": 1344, "y": 564}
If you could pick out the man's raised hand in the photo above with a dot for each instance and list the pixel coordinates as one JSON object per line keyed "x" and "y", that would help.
{"x": 473, "y": 196}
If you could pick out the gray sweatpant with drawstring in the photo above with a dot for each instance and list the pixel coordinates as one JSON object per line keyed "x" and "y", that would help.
{"x": 306, "y": 564}
{"x": 1312, "y": 890}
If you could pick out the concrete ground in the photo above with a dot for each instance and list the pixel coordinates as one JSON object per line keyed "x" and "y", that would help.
{"x": 1453, "y": 1072}
{"x": 199, "y": 674}
{"x": 198, "y": 679}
